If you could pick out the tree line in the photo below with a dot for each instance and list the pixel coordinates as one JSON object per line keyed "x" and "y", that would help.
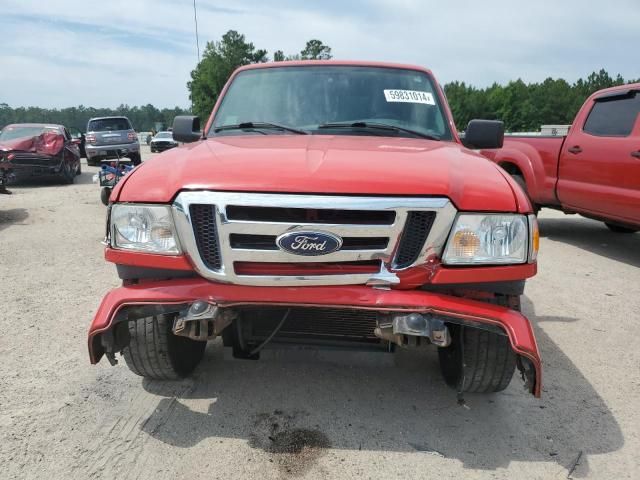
{"x": 526, "y": 106}
{"x": 143, "y": 118}
{"x": 522, "y": 106}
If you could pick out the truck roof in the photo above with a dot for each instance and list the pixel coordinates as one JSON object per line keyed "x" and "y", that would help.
{"x": 357, "y": 63}
{"x": 107, "y": 118}
{"x": 627, "y": 87}
{"x": 35, "y": 125}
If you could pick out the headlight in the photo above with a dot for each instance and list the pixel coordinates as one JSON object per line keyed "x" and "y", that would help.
{"x": 145, "y": 228}
{"x": 479, "y": 238}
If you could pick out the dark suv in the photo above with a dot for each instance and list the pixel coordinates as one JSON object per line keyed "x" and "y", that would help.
{"x": 111, "y": 137}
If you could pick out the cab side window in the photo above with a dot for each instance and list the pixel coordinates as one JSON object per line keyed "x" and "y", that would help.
{"x": 613, "y": 117}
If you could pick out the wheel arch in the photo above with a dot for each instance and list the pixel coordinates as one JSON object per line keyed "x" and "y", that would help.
{"x": 518, "y": 158}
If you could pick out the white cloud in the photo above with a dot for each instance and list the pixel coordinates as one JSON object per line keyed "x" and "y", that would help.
{"x": 70, "y": 52}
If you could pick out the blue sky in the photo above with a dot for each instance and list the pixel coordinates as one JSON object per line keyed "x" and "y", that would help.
{"x": 103, "y": 53}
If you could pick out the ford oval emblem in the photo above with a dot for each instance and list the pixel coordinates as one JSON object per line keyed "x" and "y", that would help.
{"x": 309, "y": 243}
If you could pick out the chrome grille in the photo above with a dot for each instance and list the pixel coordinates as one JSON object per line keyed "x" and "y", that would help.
{"x": 204, "y": 227}
{"x": 268, "y": 242}
{"x": 310, "y": 215}
{"x": 414, "y": 235}
{"x": 221, "y": 229}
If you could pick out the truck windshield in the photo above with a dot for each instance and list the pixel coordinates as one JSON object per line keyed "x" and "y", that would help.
{"x": 332, "y": 100}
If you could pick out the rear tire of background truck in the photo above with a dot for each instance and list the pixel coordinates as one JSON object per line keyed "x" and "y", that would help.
{"x": 135, "y": 159}
{"x": 155, "y": 352}
{"x": 523, "y": 183}
{"x": 619, "y": 229}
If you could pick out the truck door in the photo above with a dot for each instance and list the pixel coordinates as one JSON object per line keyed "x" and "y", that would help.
{"x": 600, "y": 160}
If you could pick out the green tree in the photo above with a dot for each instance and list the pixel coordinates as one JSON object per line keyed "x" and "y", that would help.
{"x": 553, "y": 102}
{"x": 278, "y": 56}
{"x": 526, "y": 106}
{"x": 514, "y": 106}
{"x": 219, "y": 60}
{"x": 316, "y": 50}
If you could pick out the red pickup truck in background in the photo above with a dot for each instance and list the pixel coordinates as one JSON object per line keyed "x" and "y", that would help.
{"x": 594, "y": 170}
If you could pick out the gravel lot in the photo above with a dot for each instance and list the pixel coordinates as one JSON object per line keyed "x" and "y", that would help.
{"x": 360, "y": 417}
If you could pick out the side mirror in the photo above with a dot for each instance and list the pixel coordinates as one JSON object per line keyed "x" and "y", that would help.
{"x": 484, "y": 134}
{"x": 186, "y": 128}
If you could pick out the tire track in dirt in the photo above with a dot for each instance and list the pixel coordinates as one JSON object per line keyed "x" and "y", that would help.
{"x": 119, "y": 444}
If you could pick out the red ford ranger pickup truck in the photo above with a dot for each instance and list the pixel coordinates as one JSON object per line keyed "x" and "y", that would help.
{"x": 594, "y": 170}
{"x": 327, "y": 203}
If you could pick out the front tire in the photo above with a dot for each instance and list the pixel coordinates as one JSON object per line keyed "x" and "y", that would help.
{"x": 67, "y": 175}
{"x": 477, "y": 361}
{"x": 155, "y": 352}
{"x": 619, "y": 229}
{"x": 105, "y": 193}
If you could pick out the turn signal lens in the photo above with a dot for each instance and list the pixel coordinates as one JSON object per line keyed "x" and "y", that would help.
{"x": 534, "y": 238}
{"x": 465, "y": 244}
{"x": 162, "y": 236}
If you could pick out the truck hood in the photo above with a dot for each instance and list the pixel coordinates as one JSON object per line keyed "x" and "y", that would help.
{"x": 323, "y": 164}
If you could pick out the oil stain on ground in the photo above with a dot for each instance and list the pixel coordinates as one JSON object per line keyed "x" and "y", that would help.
{"x": 293, "y": 450}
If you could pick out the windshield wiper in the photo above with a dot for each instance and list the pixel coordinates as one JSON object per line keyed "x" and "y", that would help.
{"x": 258, "y": 125}
{"x": 377, "y": 126}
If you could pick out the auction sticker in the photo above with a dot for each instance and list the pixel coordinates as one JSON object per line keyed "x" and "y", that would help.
{"x": 409, "y": 96}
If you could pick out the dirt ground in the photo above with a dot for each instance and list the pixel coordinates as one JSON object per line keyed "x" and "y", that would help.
{"x": 353, "y": 417}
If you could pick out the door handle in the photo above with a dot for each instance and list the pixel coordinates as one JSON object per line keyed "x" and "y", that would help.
{"x": 636, "y": 154}
{"x": 575, "y": 149}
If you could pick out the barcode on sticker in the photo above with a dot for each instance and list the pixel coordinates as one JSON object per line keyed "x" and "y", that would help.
{"x": 409, "y": 96}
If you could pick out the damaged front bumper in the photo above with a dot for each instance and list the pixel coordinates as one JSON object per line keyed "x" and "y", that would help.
{"x": 25, "y": 164}
{"x": 133, "y": 301}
